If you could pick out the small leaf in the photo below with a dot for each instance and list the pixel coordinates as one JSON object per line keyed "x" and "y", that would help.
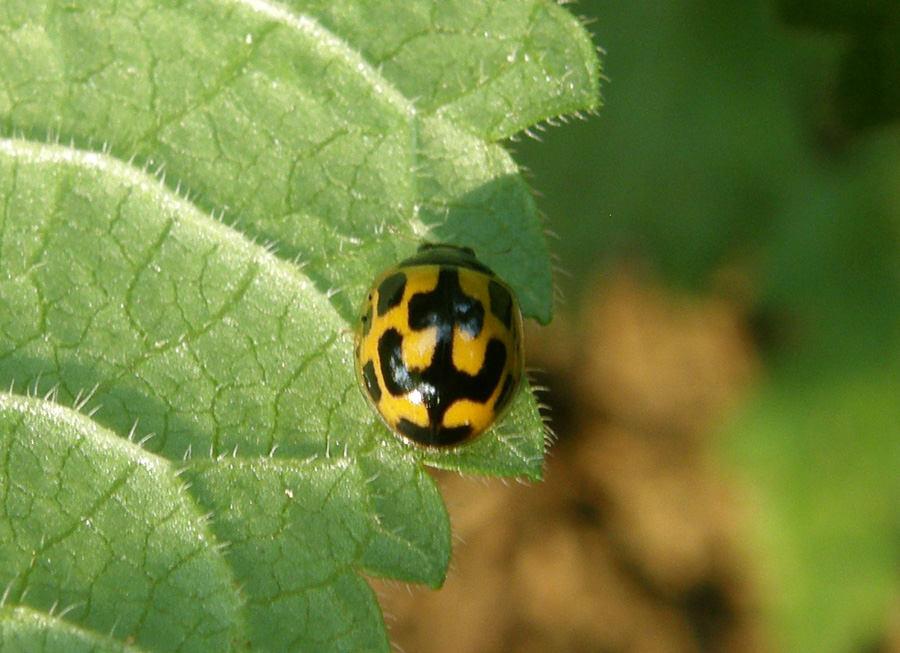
{"x": 411, "y": 536}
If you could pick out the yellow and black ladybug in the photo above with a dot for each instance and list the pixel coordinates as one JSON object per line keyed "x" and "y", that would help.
{"x": 439, "y": 349}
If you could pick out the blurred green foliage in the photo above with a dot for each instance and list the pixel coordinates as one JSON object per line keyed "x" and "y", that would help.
{"x": 867, "y": 93}
{"x": 767, "y": 137}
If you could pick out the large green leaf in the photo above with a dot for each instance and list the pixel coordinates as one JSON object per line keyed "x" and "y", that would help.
{"x": 208, "y": 332}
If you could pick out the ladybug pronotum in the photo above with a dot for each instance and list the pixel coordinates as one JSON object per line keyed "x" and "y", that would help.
{"x": 439, "y": 350}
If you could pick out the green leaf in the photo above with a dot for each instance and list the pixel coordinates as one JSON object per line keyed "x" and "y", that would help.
{"x": 266, "y": 114}
{"x": 215, "y": 326}
{"x": 94, "y": 526}
{"x": 495, "y": 68}
{"x": 294, "y": 529}
{"x": 25, "y": 630}
{"x": 181, "y": 324}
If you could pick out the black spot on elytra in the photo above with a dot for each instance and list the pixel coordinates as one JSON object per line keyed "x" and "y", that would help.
{"x": 390, "y": 292}
{"x": 397, "y": 378}
{"x": 371, "y": 381}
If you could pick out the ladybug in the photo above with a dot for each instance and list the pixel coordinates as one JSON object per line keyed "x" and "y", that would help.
{"x": 439, "y": 350}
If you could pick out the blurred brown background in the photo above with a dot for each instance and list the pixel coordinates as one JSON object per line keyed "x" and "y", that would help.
{"x": 723, "y": 372}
